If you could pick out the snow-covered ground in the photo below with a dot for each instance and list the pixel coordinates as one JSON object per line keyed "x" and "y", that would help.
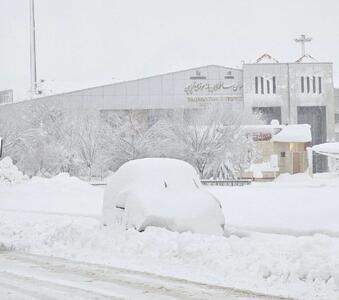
{"x": 60, "y": 217}
{"x": 295, "y": 205}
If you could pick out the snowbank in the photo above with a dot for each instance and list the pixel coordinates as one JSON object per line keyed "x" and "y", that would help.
{"x": 60, "y": 194}
{"x": 304, "y": 267}
{"x": 299, "y": 267}
{"x": 9, "y": 173}
{"x": 161, "y": 192}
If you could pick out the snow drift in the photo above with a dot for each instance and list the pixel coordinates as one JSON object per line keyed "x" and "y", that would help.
{"x": 59, "y": 194}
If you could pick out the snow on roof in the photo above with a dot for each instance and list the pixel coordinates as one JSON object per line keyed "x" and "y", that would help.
{"x": 307, "y": 58}
{"x": 331, "y": 149}
{"x": 298, "y": 133}
{"x": 266, "y": 59}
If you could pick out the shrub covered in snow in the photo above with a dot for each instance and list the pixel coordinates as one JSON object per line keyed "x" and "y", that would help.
{"x": 161, "y": 192}
{"x": 9, "y": 173}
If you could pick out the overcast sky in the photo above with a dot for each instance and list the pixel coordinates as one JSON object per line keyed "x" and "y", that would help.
{"x": 83, "y": 43}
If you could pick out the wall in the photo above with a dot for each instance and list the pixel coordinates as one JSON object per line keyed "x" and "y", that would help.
{"x": 267, "y": 71}
{"x": 288, "y": 94}
{"x": 325, "y": 98}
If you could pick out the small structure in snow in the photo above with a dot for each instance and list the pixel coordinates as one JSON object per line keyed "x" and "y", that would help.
{"x": 282, "y": 149}
{"x": 328, "y": 149}
{"x": 331, "y": 150}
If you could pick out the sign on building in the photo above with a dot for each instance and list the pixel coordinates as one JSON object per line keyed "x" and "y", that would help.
{"x": 6, "y": 97}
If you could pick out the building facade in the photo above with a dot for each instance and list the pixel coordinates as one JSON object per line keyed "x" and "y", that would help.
{"x": 293, "y": 93}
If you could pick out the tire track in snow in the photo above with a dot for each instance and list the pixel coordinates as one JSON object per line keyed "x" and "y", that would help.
{"x": 56, "y": 276}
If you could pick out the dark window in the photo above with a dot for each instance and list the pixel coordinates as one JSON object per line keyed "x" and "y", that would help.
{"x": 302, "y": 84}
{"x": 197, "y": 77}
{"x": 282, "y": 154}
{"x": 256, "y": 85}
{"x": 262, "y": 84}
{"x": 314, "y": 87}
{"x": 308, "y": 84}
{"x": 320, "y": 87}
{"x": 268, "y": 86}
{"x": 274, "y": 85}
{"x": 316, "y": 117}
{"x": 268, "y": 114}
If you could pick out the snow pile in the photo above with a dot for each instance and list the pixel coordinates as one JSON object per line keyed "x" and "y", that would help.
{"x": 299, "y": 267}
{"x": 59, "y": 194}
{"x": 161, "y": 192}
{"x": 9, "y": 173}
{"x": 257, "y": 169}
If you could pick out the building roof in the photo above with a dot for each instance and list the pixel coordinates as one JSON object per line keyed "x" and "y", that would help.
{"x": 68, "y": 92}
{"x": 266, "y": 58}
{"x": 329, "y": 149}
{"x": 307, "y": 58}
{"x": 298, "y": 133}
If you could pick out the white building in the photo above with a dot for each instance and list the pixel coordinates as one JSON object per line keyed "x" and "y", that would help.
{"x": 300, "y": 92}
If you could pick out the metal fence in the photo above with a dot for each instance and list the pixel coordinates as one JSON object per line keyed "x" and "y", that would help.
{"x": 229, "y": 182}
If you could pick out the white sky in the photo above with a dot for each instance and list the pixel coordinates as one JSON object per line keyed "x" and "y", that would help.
{"x": 82, "y": 43}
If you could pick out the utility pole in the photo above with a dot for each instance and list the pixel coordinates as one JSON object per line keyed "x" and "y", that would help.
{"x": 303, "y": 40}
{"x": 34, "y": 89}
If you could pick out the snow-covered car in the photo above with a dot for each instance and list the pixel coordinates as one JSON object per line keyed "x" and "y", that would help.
{"x": 161, "y": 192}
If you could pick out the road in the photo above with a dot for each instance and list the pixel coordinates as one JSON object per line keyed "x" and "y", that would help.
{"x": 32, "y": 277}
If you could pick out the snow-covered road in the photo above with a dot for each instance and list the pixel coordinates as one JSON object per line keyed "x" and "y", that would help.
{"x": 27, "y": 277}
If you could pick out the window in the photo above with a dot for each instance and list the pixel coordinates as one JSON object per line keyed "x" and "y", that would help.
{"x": 274, "y": 85}
{"x": 256, "y": 85}
{"x": 302, "y": 84}
{"x": 268, "y": 86}
{"x": 282, "y": 154}
{"x": 267, "y": 114}
{"x": 308, "y": 84}
{"x": 262, "y": 84}
{"x": 319, "y": 85}
{"x": 314, "y": 85}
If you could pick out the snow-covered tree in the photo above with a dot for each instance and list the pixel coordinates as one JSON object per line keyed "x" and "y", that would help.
{"x": 130, "y": 135}
{"x": 211, "y": 139}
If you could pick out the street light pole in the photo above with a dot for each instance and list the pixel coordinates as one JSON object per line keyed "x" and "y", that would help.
{"x": 32, "y": 51}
